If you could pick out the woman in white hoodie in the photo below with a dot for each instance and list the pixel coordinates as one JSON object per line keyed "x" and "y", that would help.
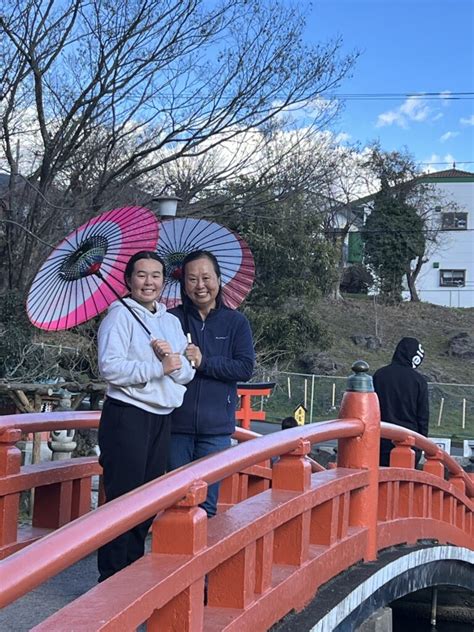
{"x": 145, "y": 377}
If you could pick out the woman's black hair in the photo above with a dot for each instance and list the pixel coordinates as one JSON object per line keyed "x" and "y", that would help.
{"x": 193, "y": 256}
{"x": 143, "y": 254}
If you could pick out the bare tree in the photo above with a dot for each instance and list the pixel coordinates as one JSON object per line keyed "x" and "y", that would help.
{"x": 347, "y": 180}
{"x": 348, "y": 196}
{"x": 97, "y": 95}
{"x": 404, "y": 186}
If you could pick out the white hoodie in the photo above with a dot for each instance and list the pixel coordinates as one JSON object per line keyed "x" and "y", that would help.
{"x": 129, "y": 365}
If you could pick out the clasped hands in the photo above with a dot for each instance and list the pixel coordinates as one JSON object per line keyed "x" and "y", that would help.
{"x": 172, "y": 361}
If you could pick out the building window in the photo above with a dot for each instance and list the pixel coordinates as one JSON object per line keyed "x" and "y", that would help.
{"x": 452, "y": 278}
{"x": 454, "y": 221}
{"x": 356, "y": 248}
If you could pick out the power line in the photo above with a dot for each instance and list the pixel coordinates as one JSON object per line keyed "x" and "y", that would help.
{"x": 381, "y": 96}
{"x": 388, "y": 231}
{"x": 448, "y": 162}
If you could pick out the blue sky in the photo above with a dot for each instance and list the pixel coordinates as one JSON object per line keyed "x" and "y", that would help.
{"x": 406, "y": 46}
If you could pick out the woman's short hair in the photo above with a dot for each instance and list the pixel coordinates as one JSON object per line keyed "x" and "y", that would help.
{"x": 193, "y": 256}
{"x": 143, "y": 254}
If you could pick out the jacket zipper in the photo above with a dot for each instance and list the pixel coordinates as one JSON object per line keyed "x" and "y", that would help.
{"x": 196, "y": 417}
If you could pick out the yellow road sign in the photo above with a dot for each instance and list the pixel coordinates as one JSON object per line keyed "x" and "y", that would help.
{"x": 300, "y": 414}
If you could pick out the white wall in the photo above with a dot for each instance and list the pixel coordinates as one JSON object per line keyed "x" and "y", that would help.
{"x": 455, "y": 251}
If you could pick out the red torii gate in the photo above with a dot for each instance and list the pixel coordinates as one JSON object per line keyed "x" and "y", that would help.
{"x": 245, "y": 413}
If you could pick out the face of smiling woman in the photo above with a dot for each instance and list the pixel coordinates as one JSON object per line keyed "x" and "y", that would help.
{"x": 201, "y": 284}
{"x": 146, "y": 282}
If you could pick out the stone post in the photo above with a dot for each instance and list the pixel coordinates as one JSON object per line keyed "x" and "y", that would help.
{"x": 61, "y": 444}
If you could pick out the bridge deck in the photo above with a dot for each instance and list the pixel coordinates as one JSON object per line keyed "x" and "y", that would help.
{"x": 57, "y": 592}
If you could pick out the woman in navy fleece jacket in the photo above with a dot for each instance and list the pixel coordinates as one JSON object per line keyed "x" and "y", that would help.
{"x": 223, "y": 353}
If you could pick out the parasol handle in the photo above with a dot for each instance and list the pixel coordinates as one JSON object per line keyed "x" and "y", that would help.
{"x": 190, "y": 341}
{"x": 137, "y": 318}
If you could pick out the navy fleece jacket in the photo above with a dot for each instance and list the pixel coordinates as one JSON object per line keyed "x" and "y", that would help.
{"x": 228, "y": 357}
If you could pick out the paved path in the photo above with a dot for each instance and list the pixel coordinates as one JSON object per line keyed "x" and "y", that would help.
{"x": 45, "y": 600}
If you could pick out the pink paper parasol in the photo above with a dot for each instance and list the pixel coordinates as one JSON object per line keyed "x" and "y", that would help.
{"x": 179, "y": 237}
{"x": 84, "y": 273}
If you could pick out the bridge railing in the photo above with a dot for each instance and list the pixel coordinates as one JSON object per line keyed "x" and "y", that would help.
{"x": 63, "y": 489}
{"x": 432, "y": 501}
{"x": 267, "y": 554}
{"x": 111, "y": 519}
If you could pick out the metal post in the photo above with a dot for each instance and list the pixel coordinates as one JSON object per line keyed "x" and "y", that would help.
{"x": 434, "y": 605}
{"x": 440, "y": 411}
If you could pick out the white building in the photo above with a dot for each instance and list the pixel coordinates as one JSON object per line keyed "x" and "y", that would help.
{"x": 448, "y": 277}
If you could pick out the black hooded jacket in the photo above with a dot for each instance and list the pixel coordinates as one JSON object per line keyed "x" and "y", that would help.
{"x": 402, "y": 391}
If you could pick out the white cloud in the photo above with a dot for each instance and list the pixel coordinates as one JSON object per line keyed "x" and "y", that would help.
{"x": 438, "y": 163}
{"x": 445, "y": 97}
{"x": 342, "y": 137}
{"x": 414, "y": 109}
{"x": 448, "y": 136}
{"x": 387, "y": 118}
{"x": 308, "y": 110}
{"x": 467, "y": 121}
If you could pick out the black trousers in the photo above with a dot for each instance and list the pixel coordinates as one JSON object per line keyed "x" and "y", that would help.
{"x": 133, "y": 450}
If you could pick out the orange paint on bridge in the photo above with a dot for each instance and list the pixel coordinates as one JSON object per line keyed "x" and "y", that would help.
{"x": 280, "y": 534}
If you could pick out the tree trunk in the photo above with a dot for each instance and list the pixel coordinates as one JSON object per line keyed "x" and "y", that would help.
{"x": 412, "y": 288}
{"x": 335, "y": 292}
{"x": 412, "y": 275}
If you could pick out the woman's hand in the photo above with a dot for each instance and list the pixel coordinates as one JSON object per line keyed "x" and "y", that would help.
{"x": 171, "y": 362}
{"x": 193, "y": 354}
{"x": 162, "y": 349}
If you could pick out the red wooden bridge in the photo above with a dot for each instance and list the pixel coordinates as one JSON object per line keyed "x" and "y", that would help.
{"x": 280, "y": 535}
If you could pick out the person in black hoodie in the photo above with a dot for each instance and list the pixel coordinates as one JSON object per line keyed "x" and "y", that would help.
{"x": 221, "y": 349}
{"x": 403, "y": 394}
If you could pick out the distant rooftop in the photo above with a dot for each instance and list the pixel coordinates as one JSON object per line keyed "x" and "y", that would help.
{"x": 448, "y": 174}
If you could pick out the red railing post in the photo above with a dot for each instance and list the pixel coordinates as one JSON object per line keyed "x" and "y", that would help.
{"x": 362, "y": 452}
{"x": 402, "y": 454}
{"x": 10, "y": 463}
{"x": 229, "y": 491}
{"x": 52, "y": 505}
{"x": 434, "y": 464}
{"x": 182, "y": 530}
{"x": 292, "y": 472}
{"x": 457, "y": 481}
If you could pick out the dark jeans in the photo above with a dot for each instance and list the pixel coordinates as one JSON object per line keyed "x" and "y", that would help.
{"x": 133, "y": 450}
{"x": 185, "y": 448}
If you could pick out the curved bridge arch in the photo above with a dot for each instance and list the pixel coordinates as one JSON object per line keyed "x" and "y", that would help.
{"x": 351, "y": 598}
